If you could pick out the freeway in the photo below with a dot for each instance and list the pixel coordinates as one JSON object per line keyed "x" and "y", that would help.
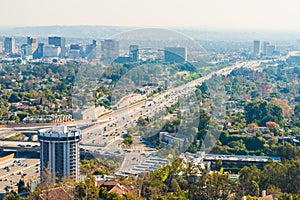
{"x": 127, "y": 115}
{"x": 124, "y": 118}
{"x": 105, "y": 134}
{"x": 186, "y": 87}
{"x": 6, "y": 143}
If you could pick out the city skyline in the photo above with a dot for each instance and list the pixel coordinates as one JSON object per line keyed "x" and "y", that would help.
{"x": 232, "y": 14}
{"x": 171, "y": 99}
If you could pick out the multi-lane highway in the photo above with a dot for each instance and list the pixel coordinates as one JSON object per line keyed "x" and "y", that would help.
{"x": 105, "y": 134}
{"x": 110, "y": 133}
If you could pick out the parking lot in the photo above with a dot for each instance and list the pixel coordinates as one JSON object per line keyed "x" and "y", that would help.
{"x": 12, "y": 172}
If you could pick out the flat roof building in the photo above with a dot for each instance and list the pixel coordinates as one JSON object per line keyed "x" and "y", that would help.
{"x": 175, "y": 54}
{"x": 39, "y": 53}
{"x": 33, "y": 42}
{"x": 172, "y": 140}
{"x": 270, "y": 49}
{"x": 256, "y": 47}
{"x": 10, "y": 45}
{"x": 134, "y": 53}
{"x": 109, "y": 50}
{"x": 92, "y": 51}
{"x": 264, "y": 47}
{"x": 239, "y": 161}
{"x": 58, "y": 42}
{"x": 51, "y": 51}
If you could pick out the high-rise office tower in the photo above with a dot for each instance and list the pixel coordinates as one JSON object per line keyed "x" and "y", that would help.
{"x": 270, "y": 50}
{"x": 10, "y": 45}
{"x": 175, "y": 54}
{"x": 39, "y": 53}
{"x": 264, "y": 47}
{"x": 58, "y": 42}
{"x": 256, "y": 47}
{"x": 109, "y": 50}
{"x": 92, "y": 51}
{"x": 59, "y": 151}
{"x": 134, "y": 53}
{"x": 33, "y": 42}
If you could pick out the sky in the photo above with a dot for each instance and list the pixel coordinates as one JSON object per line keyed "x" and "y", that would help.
{"x": 231, "y": 14}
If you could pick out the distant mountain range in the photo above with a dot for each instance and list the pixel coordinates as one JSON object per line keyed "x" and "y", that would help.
{"x": 100, "y": 32}
{"x": 96, "y": 32}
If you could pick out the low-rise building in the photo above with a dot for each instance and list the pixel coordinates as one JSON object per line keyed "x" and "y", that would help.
{"x": 55, "y": 193}
{"x": 169, "y": 139}
{"x": 238, "y": 161}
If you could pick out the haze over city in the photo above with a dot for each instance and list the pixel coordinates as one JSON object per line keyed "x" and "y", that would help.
{"x": 149, "y": 99}
{"x": 229, "y": 14}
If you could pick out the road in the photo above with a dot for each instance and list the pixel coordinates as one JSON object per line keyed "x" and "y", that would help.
{"x": 10, "y": 143}
{"x": 107, "y": 135}
{"x": 129, "y": 116}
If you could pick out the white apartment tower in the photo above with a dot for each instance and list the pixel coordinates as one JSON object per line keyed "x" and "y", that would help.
{"x": 59, "y": 151}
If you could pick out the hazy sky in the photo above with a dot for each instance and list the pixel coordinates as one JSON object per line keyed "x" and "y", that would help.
{"x": 258, "y": 14}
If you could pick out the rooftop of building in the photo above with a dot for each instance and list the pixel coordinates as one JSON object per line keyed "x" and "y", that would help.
{"x": 59, "y": 130}
{"x": 55, "y": 194}
{"x": 241, "y": 158}
{"x": 269, "y": 197}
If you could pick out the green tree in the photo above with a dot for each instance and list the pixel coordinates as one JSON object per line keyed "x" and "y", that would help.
{"x": 261, "y": 111}
{"x": 249, "y": 179}
{"x": 128, "y": 140}
{"x": 297, "y": 111}
{"x": 87, "y": 189}
{"x": 12, "y": 196}
{"x": 13, "y": 98}
{"x": 175, "y": 186}
{"x": 21, "y": 186}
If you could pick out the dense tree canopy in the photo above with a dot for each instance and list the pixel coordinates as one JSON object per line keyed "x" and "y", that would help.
{"x": 261, "y": 112}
